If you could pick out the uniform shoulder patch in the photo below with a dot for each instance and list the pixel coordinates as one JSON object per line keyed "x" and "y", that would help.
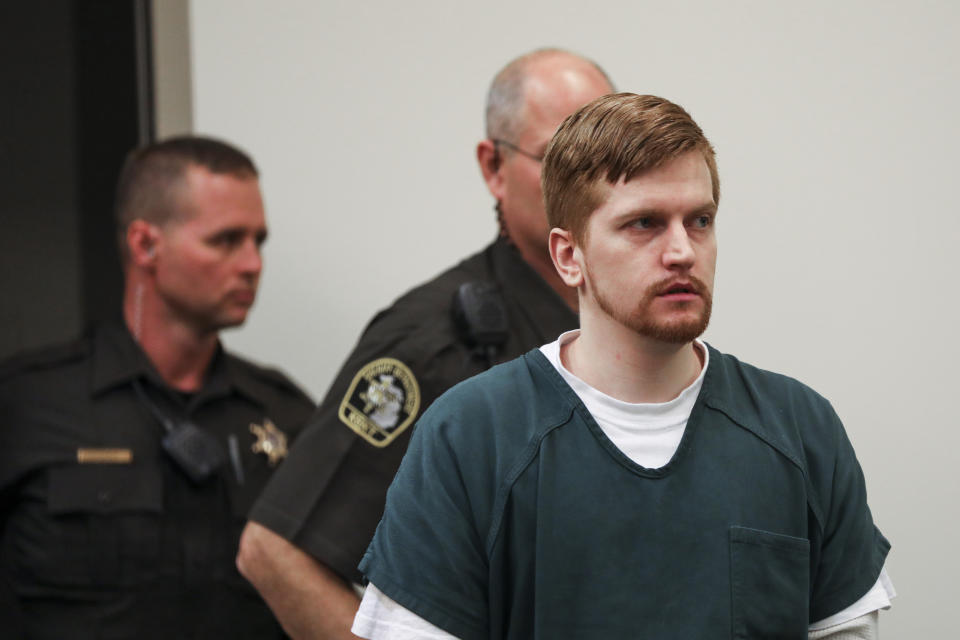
{"x": 381, "y": 402}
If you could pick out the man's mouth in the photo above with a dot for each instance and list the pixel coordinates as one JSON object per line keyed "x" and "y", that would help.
{"x": 243, "y": 296}
{"x": 680, "y": 291}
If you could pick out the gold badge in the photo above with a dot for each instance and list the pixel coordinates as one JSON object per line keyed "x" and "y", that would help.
{"x": 100, "y": 455}
{"x": 382, "y": 401}
{"x": 270, "y": 441}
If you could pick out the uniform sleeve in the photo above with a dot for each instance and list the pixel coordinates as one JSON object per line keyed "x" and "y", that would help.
{"x": 328, "y": 495}
{"x": 850, "y": 550}
{"x": 428, "y": 553}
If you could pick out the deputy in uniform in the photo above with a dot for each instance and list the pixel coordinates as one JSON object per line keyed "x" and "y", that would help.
{"x": 311, "y": 526}
{"x": 131, "y": 457}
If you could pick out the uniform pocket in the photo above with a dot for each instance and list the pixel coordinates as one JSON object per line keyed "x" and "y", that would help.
{"x": 769, "y": 576}
{"x": 102, "y": 526}
{"x": 104, "y": 489}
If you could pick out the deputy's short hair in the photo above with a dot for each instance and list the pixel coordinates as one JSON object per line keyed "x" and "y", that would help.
{"x": 152, "y": 174}
{"x": 617, "y": 136}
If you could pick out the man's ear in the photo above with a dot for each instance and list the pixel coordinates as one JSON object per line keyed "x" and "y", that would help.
{"x": 142, "y": 241}
{"x": 491, "y": 161}
{"x": 566, "y": 256}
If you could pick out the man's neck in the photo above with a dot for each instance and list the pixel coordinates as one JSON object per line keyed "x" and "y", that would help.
{"x": 627, "y": 366}
{"x": 179, "y": 353}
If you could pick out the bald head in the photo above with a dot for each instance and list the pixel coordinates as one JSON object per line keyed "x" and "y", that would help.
{"x": 543, "y": 71}
{"x": 527, "y": 102}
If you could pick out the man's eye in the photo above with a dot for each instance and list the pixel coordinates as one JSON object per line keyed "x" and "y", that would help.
{"x": 643, "y": 223}
{"x": 702, "y": 222}
{"x": 227, "y": 239}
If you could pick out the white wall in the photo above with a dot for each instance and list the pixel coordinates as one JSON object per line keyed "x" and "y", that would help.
{"x": 835, "y": 128}
{"x": 172, "y": 64}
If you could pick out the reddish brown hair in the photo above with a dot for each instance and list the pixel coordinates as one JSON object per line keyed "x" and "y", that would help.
{"x": 615, "y": 136}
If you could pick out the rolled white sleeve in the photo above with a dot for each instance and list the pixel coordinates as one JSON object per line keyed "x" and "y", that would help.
{"x": 380, "y": 618}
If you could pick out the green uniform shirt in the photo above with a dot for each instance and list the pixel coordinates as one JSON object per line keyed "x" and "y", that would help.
{"x": 513, "y": 515}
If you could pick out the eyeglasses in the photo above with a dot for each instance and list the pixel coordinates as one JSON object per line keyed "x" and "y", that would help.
{"x": 538, "y": 157}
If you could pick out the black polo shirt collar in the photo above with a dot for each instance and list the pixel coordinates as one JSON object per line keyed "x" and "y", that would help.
{"x": 118, "y": 360}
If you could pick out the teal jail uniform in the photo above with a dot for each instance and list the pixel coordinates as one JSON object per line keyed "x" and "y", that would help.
{"x": 514, "y": 516}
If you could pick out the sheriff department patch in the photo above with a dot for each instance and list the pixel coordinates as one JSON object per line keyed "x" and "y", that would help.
{"x": 382, "y": 401}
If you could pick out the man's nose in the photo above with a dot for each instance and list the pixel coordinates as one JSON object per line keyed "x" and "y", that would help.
{"x": 678, "y": 253}
{"x": 250, "y": 258}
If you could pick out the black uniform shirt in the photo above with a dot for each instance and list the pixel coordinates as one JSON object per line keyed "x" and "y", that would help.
{"x": 328, "y": 496}
{"x": 103, "y": 535}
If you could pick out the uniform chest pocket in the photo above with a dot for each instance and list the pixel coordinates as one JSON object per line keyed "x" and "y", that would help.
{"x": 103, "y": 525}
{"x": 770, "y": 577}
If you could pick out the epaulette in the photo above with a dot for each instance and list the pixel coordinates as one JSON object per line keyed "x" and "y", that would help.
{"x": 48, "y": 357}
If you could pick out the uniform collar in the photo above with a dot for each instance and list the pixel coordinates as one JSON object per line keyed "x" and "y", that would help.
{"x": 118, "y": 360}
{"x": 529, "y": 292}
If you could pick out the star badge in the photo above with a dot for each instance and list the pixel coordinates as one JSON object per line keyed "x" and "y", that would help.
{"x": 270, "y": 441}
